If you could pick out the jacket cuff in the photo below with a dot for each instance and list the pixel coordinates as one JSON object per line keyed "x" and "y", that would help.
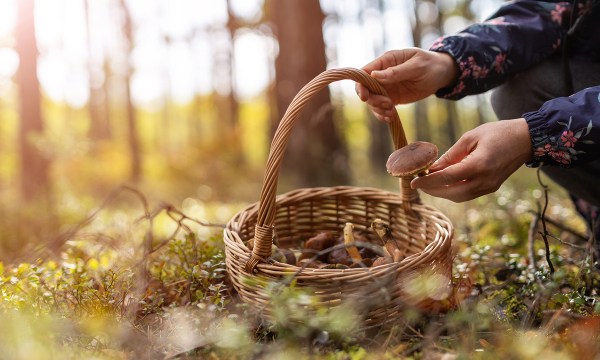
{"x": 454, "y": 91}
{"x": 554, "y": 142}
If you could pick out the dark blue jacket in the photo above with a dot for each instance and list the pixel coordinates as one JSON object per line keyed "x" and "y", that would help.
{"x": 564, "y": 131}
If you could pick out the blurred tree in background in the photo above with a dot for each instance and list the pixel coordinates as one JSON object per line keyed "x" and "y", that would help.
{"x": 34, "y": 165}
{"x": 98, "y": 103}
{"x": 181, "y": 98}
{"x": 316, "y": 152}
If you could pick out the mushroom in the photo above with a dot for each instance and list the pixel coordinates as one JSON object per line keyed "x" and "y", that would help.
{"x": 342, "y": 255}
{"x": 382, "y": 230}
{"x": 365, "y": 263}
{"x": 318, "y": 243}
{"x": 290, "y": 257}
{"x": 310, "y": 263}
{"x": 349, "y": 242}
{"x": 334, "y": 266}
{"x": 283, "y": 255}
{"x": 382, "y": 260}
{"x": 391, "y": 245}
{"x": 412, "y": 159}
{"x": 339, "y": 256}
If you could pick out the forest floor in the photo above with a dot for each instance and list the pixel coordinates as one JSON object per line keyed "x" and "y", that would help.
{"x": 150, "y": 282}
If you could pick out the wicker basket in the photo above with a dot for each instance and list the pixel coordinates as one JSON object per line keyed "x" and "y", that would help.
{"x": 294, "y": 217}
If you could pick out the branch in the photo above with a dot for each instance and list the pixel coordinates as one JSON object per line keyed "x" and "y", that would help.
{"x": 531, "y": 238}
{"x": 562, "y": 227}
{"x": 544, "y": 233}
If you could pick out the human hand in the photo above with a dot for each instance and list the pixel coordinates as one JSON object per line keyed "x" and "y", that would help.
{"x": 407, "y": 75}
{"x": 479, "y": 162}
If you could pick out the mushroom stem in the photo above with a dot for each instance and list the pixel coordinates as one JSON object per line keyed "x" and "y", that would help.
{"x": 349, "y": 242}
{"x": 391, "y": 245}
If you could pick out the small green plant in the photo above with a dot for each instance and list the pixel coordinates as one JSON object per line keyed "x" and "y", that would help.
{"x": 128, "y": 289}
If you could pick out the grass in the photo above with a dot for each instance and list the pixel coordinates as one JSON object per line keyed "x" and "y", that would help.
{"x": 150, "y": 282}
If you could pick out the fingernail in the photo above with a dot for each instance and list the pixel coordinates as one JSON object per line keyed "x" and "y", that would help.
{"x": 433, "y": 167}
{"x": 412, "y": 184}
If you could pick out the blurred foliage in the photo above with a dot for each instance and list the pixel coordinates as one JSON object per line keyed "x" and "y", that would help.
{"x": 130, "y": 283}
{"x": 137, "y": 278}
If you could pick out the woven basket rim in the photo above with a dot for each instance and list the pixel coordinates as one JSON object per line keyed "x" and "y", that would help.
{"x": 407, "y": 262}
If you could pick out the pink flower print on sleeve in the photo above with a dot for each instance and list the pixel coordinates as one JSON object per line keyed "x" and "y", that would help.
{"x": 568, "y": 138}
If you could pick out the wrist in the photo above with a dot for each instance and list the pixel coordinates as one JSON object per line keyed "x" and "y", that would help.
{"x": 448, "y": 69}
{"x": 521, "y": 132}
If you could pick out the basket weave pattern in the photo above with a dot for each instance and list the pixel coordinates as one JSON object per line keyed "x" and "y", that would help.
{"x": 424, "y": 233}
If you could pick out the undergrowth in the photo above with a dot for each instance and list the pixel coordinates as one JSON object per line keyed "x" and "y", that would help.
{"x": 152, "y": 284}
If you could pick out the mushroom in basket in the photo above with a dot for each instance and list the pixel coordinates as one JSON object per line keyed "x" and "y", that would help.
{"x": 394, "y": 252}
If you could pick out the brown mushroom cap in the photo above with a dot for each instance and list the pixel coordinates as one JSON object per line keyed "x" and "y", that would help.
{"x": 412, "y": 159}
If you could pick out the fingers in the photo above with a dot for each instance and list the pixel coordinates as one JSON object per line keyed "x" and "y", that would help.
{"x": 463, "y": 147}
{"x": 401, "y": 68}
{"x": 381, "y": 106}
{"x": 456, "y": 175}
{"x": 393, "y": 66}
{"x": 462, "y": 191}
{"x": 462, "y": 181}
{"x": 451, "y": 175}
{"x": 479, "y": 162}
{"x": 374, "y": 100}
{"x": 459, "y": 182}
{"x": 362, "y": 92}
{"x": 388, "y": 59}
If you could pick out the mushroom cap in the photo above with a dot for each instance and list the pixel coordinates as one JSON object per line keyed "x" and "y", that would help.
{"x": 412, "y": 159}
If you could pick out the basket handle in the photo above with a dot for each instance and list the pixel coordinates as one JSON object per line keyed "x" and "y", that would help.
{"x": 263, "y": 233}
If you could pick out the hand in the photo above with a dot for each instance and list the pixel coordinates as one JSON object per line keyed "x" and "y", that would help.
{"x": 407, "y": 75}
{"x": 479, "y": 162}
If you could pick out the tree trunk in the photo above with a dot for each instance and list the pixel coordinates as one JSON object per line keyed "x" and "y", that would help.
{"x": 134, "y": 142}
{"x": 34, "y": 166}
{"x": 452, "y": 122}
{"x": 226, "y": 102}
{"x": 316, "y": 154}
{"x": 232, "y": 27}
{"x": 421, "y": 121}
{"x": 99, "y": 120}
{"x": 381, "y": 144}
{"x": 451, "y": 109}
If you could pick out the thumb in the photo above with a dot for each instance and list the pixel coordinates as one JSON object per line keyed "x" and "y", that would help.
{"x": 392, "y": 74}
{"x": 396, "y": 66}
{"x": 454, "y": 155}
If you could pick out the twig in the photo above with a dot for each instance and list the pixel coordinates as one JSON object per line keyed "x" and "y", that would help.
{"x": 178, "y": 217}
{"x": 41, "y": 252}
{"x": 531, "y": 311}
{"x": 532, "y": 229}
{"x": 563, "y": 227}
{"x": 531, "y": 238}
{"x": 544, "y": 233}
{"x": 575, "y": 246}
{"x": 593, "y": 251}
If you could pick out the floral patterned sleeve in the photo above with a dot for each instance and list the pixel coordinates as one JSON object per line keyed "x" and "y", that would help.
{"x": 566, "y": 131}
{"x": 519, "y": 35}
